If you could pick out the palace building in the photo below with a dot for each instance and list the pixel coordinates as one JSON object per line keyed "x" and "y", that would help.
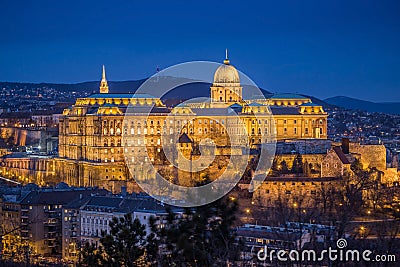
{"x": 97, "y": 141}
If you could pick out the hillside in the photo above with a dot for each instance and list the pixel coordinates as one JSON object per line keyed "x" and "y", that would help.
{"x": 353, "y": 103}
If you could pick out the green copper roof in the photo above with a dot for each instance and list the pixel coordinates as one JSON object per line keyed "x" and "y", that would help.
{"x": 310, "y": 105}
{"x": 121, "y": 96}
{"x": 287, "y": 96}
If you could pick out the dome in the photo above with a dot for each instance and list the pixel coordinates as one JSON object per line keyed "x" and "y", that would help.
{"x": 226, "y": 73}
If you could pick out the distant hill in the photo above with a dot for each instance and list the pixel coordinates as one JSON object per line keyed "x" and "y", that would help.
{"x": 184, "y": 92}
{"x": 319, "y": 101}
{"x": 198, "y": 89}
{"x": 123, "y": 86}
{"x": 352, "y": 103}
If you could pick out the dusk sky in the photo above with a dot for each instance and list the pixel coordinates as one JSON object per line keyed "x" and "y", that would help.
{"x": 318, "y": 48}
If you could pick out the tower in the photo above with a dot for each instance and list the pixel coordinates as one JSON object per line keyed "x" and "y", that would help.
{"x": 226, "y": 86}
{"x": 103, "y": 83}
{"x": 184, "y": 160}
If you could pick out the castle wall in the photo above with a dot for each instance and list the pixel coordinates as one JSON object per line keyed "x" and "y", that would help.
{"x": 371, "y": 155}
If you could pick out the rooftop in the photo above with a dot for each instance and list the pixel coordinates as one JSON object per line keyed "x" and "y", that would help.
{"x": 287, "y": 96}
{"x": 121, "y": 96}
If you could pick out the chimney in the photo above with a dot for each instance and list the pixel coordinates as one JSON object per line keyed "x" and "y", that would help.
{"x": 345, "y": 145}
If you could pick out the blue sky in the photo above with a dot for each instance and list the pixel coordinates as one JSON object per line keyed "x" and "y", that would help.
{"x": 321, "y": 48}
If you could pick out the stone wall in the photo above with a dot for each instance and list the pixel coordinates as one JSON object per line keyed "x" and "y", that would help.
{"x": 371, "y": 155}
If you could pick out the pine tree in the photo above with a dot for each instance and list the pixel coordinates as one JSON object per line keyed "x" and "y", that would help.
{"x": 297, "y": 164}
{"x": 125, "y": 244}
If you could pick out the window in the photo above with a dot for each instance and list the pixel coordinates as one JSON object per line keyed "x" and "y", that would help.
{"x": 295, "y": 121}
{"x": 285, "y": 130}
{"x": 295, "y": 130}
{"x": 306, "y": 130}
{"x": 284, "y": 121}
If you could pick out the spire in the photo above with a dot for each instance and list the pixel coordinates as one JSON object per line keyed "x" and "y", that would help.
{"x": 226, "y": 61}
{"x": 103, "y": 77}
{"x": 103, "y": 83}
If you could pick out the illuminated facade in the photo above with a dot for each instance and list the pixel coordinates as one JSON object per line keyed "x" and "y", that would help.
{"x": 92, "y": 150}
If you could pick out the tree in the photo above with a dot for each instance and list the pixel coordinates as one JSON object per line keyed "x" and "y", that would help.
{"x": 124, "y": 245}
{"x": 203, "y": 237}
{"x": 153, "y": 242}
{"x": 90, "y": 255}
{"x": 307, "y": 169}
{"x": 297, "y": 164}
{"x": 284, "y": 168}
